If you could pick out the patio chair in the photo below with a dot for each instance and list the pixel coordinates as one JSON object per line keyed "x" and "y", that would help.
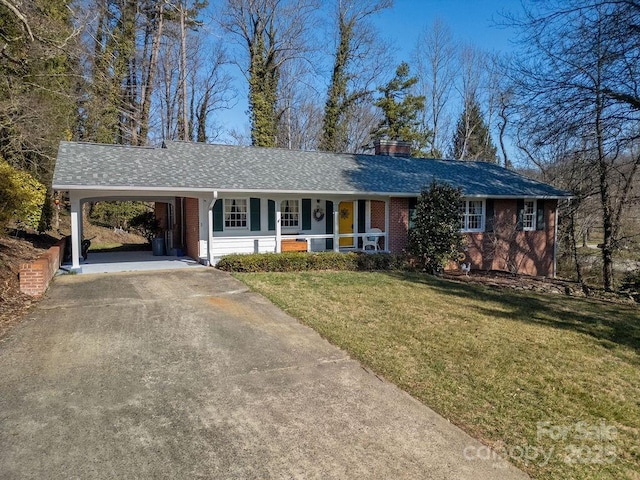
{"x": 371, "y": 241}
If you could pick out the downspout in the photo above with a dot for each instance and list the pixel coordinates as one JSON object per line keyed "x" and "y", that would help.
{"x": 555, "y": 243}
{"x": 210, "y": 227}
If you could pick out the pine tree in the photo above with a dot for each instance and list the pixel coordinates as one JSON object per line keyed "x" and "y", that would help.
{"x": 472, "y": 139}
{"x": 401, "y": 111}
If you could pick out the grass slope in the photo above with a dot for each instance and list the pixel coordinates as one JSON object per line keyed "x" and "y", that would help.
{"x": 495, "y": 362}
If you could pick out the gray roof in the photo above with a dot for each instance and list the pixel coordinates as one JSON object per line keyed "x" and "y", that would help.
{"x": 195, "y": 166}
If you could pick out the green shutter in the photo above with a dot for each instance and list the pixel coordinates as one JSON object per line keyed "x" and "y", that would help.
{"x": 490, "y": 215}
{"x": 520, "y": 210}
{"x": 271, "y": 207}
{"x": 218, "y": 215}
{"x": 329, "y": 225}
{"x": 540, "y": 225}
{"x": 254, "y": 214}
{"x": 362, "y": 219}
{"x": 306, "y": 214}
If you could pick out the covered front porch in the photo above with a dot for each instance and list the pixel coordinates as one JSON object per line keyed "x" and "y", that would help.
{"x": 281, "y": 223}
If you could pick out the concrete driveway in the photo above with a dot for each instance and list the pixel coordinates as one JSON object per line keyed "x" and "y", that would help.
{"x": 186, "y": 374}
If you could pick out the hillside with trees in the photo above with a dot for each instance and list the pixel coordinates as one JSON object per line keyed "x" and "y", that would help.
{"x": 564, "y": 107}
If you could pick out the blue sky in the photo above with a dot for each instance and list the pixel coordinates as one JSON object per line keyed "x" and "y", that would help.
{"x": 470, "y": 21}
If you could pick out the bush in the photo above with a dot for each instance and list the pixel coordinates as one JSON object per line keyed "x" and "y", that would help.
{"x": 301, "y": 261}
{"x": 21, "y": 197}
{"x": 435, "y": 237}
{"x": 146, "y": 224}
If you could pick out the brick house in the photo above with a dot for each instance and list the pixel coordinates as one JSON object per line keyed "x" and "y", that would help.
{"x": 215, "y": 200}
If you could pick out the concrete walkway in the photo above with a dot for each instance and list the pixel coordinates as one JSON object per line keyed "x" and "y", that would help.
{"x": 138, "y": 261}
{"x": 184, "y": 374}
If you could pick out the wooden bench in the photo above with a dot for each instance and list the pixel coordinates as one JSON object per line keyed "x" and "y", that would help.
{"x": 293, "y": 245}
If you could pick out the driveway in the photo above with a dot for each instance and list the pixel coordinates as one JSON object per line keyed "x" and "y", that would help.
{"x": 186, "y": 374}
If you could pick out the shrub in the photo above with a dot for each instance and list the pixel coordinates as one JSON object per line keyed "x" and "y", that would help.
{"x": 435, "y": 237}
{"x": 300, "y": 261}
{"x": 21, "y": 197}
{"x": 146, "y": 224}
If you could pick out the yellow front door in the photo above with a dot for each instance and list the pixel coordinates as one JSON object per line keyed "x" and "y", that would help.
{"x": 345, "y": 224}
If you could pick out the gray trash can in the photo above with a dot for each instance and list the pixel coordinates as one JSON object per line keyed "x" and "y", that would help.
{"x": 157, "y": 245}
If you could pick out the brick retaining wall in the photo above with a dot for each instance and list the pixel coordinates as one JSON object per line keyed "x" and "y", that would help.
{"x": 35, "y": 276}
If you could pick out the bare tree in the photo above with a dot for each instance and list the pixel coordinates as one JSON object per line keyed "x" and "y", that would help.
{"x": 578, "y": 86}
{"x": 436, "y": 58}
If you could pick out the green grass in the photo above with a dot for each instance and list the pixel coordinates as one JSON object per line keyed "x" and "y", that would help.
{"x": 494, "y": 362}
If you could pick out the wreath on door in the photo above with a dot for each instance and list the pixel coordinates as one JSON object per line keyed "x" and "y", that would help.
{"x": 318, "y": 214}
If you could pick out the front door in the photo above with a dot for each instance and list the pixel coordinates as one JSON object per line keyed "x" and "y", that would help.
{"x": 345, "y": 223}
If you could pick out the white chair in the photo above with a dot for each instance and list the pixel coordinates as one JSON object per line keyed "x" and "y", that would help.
{"x": 371, "y": 241}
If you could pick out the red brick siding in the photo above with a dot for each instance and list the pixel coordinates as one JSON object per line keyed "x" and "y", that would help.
{"x": 192, "y": 230}
{"x": 398, "y": 224}
{"x": 35, "y": 276}
{"x": 529, "y": 253}
{"x": 161, "y": 213}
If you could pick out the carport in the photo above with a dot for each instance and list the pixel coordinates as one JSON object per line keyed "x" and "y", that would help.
{"x": 93, "y": 172}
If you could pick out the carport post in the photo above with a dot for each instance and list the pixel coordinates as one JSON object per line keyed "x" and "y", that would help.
{"x": 75, "y": 231}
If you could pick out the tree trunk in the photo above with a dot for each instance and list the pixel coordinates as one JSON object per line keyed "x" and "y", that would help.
{"x": 147, "y": 86}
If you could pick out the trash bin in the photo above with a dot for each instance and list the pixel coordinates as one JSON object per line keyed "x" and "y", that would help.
{"x": 157, "y": 245}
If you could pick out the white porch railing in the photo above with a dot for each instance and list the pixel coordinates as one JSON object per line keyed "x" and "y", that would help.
{"x": 223, "y": 245}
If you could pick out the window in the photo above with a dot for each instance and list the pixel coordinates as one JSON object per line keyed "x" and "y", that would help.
{"x": 472, "y": 216}
{"x": 235, "y": 212}
{"x": 529, "y": 215}
{"x": 290, "y": 213}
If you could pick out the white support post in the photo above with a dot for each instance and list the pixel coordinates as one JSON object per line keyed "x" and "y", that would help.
{"x": 210, "y": 228}
{"x": 336, "y": 228}
{"x": 278, "y": 228}
{"x": 386, "y": 225}
{"x": 76, "y": 233}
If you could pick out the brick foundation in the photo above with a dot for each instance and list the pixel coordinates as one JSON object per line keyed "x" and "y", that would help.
{"x": 35, "y": 276}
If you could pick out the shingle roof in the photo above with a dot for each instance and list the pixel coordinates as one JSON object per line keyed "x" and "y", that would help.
{"x": 197, "y": 166}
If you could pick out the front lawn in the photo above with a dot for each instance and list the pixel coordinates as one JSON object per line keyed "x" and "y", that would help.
{"x": 552, "y": 382}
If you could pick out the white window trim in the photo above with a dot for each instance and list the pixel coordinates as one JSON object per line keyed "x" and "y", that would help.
{"x": 224, "y": 214}
{"x": 534, "y": 215}
{"x": 483, "y": 218}
{"x": 296, "y": 228}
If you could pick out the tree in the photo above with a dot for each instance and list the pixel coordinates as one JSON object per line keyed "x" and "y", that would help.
{"x": 435, "y": 237}
{"x": 401, "y": 110}
{"x": 354, "y": 66}
{"x": 577, "y": 87}
{"x": 472, "y": 139}
{"x": 271, "y": 32}
{"x": 38, "y": 53}
{"x": 435, "y": 56}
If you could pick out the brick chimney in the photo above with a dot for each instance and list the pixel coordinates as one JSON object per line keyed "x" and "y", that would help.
{"x": 392, "y": 148}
